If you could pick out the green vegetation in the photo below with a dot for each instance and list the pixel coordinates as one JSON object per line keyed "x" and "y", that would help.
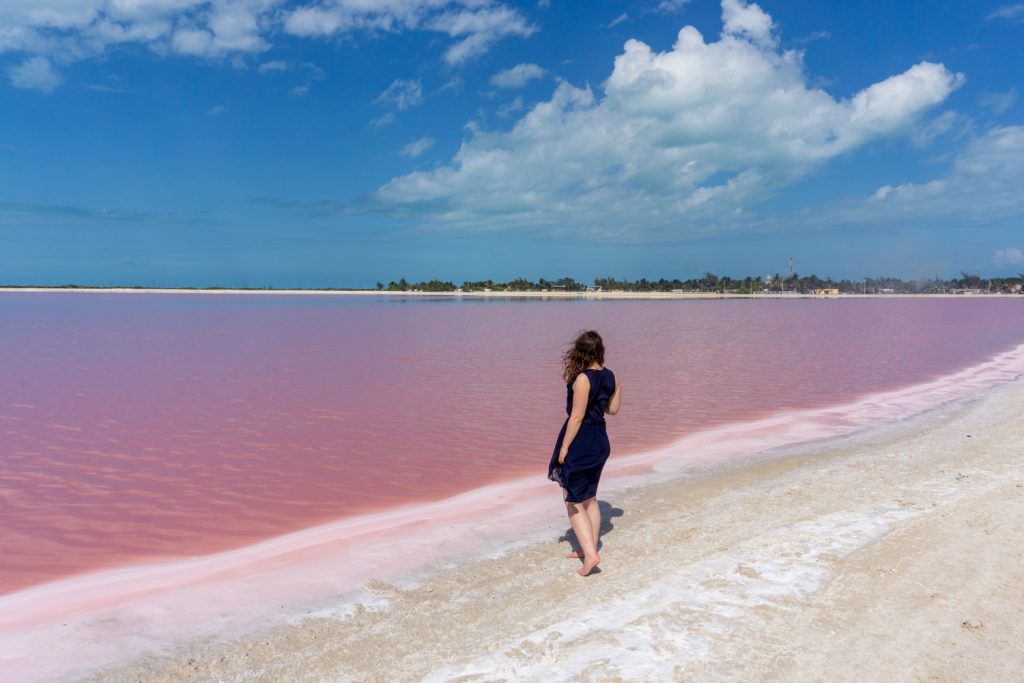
{"x": 709, "y": 282}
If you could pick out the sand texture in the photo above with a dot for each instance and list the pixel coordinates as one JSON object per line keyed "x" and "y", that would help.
{"x": 894, "y": 554}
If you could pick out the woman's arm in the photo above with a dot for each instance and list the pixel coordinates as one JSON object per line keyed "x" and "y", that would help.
{"x": 580, "y": 394}
{"x": 613, "y": 403}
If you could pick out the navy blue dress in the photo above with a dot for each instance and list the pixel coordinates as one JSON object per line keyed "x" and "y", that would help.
{"x": 589, "y": 451}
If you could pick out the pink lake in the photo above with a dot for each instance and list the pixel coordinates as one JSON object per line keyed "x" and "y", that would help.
{"x": 158, "y": 426}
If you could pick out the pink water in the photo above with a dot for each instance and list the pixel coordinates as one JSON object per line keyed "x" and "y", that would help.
{"x": 138, "y": 427}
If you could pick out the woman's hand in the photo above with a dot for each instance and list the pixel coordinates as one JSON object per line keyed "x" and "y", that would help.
{"x": 561, "y": 456}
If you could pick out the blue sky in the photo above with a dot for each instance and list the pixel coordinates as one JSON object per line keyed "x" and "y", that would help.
{"x": 341, "y": 142}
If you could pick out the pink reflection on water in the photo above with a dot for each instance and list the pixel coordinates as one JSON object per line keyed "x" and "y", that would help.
{"x": 158, "y": 426}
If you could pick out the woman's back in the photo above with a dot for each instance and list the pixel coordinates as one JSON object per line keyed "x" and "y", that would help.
{"x": 602, "y": 386}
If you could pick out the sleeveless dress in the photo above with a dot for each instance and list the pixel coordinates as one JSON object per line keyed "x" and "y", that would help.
{"x": 589, "y": 451}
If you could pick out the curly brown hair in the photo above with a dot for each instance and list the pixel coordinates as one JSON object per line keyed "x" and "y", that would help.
{"x": 585, "y": 351}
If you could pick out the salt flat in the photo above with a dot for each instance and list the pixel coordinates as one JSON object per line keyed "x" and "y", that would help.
{"x": 892, "y": 554}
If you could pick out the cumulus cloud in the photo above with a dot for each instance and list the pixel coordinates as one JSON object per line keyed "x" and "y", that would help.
{"x": 517, "y": 76}
{"x": 402, "y": 94}
{"x": 1011, "y": 256}
{"x": 35, "y": 73}
{"x": 677, "y": 141}
{"x": 68, "y": 30}
{"x": 748, "y": 21}
{"x": 417, "y": 147}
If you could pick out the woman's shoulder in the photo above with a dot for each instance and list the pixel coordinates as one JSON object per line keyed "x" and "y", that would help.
{"x": 582, "y": 375}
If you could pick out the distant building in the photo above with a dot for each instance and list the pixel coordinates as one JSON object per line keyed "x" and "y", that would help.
{"x": 886, "y": 290}
{"x": 827, "y": 291}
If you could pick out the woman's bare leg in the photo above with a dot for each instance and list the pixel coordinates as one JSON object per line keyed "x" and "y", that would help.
{"x": 594, "y": 514}
{"x": 581, "y": 524}
{"x": 593, "y": 511}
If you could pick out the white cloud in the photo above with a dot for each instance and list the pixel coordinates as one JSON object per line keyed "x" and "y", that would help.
{"x": 69, "y": 30}
{"x": 417, "y": 147}
{"x": 948, "y": 124}
{"x": 618, "y": 20}
{"x": 383, "y": 120}
{"x": 35, "y": 73}
{"x": 307, "y": 71}
{"x": 481, "y": 28}
{"x": 1008, "y": 12}
{"x": 748, "y": 21}
{"x": 998, "y": 102}
{"x": 517, "y": 76}
{"x": 982, "y": 187}
{"x": 506, "y": 110}
{"x": 216, "y": 110}
{"x": 274, "y": 66}
{"x": 813, "y": 37}
{"x": 402, "y": 94}
{"x": 680, "y": 141}
{"x": 669, "y": 6}
{"x": 454, "y": 83}
{"x": 1011, "y": 256}
{"x": 477, "y": 23}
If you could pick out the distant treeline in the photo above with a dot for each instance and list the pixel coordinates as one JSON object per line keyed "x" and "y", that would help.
{"x": 710, "y": 282}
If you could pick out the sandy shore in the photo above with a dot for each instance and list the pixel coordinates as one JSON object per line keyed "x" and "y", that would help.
{"x": 891, "y": 554}
{"x": 611, "y": 295}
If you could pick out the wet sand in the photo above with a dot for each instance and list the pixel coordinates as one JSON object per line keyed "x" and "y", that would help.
{"x": 890, "y": 554}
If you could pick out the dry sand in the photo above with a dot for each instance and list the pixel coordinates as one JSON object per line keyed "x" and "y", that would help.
{"x": 894, "y": 554}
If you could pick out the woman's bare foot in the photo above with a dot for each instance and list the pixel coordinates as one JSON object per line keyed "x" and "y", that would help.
{"x": 588, "y": 565}
{"x": 574, "y": 555}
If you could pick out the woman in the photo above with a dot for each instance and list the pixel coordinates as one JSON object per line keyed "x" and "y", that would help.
{"x": 582, "y": 447}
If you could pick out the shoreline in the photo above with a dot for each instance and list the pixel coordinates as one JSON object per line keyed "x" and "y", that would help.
{"x": 889, "y": 555}
{"x": 610, "y": 295}
{"x": 124, "y": 600}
